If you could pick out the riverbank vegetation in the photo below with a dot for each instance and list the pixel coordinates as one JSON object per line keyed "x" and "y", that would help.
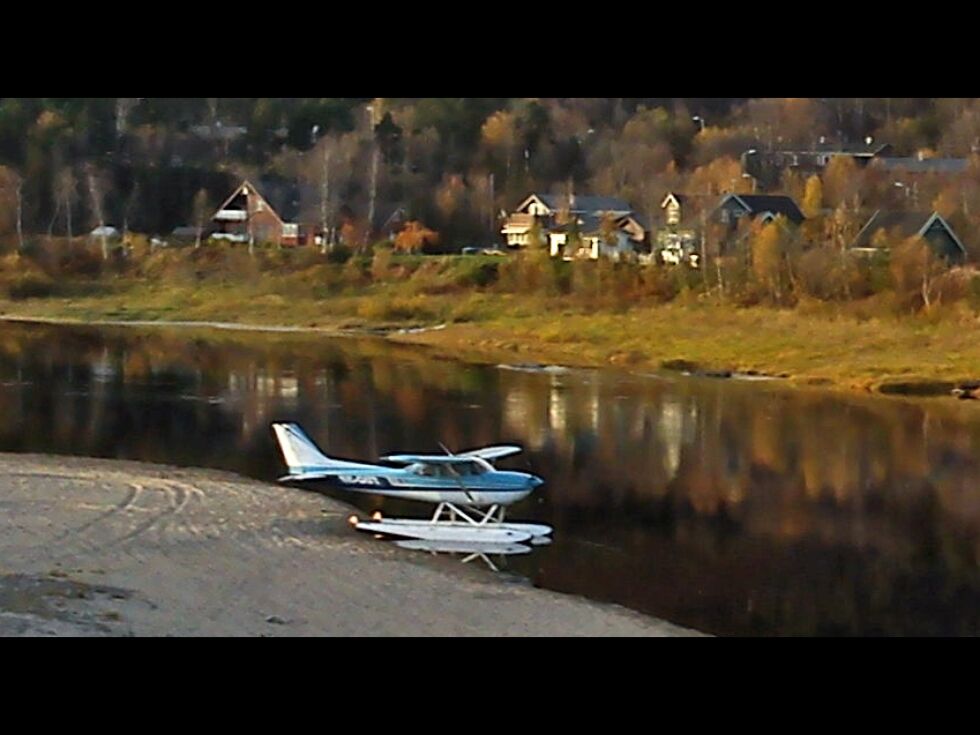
{"x": 529, "y": 307}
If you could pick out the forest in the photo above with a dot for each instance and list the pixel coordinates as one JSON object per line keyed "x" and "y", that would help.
{"x": 148, "y": 164}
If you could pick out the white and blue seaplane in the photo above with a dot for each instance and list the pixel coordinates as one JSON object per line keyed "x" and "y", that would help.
{"x": 469, "y": 492}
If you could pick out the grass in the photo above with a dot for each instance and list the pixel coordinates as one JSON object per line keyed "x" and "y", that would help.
{"x": 820, "y": 344}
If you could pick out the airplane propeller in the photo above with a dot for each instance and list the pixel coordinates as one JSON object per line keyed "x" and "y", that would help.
{"x": 462, "y": 485}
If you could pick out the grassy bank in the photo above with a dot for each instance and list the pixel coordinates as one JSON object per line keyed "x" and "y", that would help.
{"x": 859, "y": 345}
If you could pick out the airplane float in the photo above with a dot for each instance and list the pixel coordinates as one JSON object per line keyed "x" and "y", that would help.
{"x": 469, "y": 492}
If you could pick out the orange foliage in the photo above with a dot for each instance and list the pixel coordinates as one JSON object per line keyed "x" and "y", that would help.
{"x": 414, "y": 236}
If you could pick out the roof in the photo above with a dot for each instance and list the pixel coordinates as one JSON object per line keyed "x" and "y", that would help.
{"x": 592, "y": 225}
{"x": 586, "y": 203}
{"x": 906, "y": 224}
{"x": 283, "y": 198}
{"x": 853, "y": 149}
{"x": 587, "y": 225}
{"x": 640, "y": 219}
{"x": 756, "y": 204}
{"x": 925, "y": 165}
{"x": 679, "y": 198}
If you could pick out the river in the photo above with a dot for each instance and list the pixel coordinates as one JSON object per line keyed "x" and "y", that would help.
{"x": 736, "y": 508}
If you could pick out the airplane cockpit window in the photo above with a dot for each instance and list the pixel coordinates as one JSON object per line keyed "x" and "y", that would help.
{"x": 467, "y": 469}
{"x": 425, "y": 470}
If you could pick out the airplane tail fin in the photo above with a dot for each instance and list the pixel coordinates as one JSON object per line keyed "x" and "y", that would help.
{"x": 299, "y": 451}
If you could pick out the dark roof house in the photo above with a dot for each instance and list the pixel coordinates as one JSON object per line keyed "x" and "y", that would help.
{"x": 735, "y": 206}
{"x": 930, "y": 226}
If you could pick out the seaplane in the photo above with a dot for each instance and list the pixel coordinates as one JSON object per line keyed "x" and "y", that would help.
{"x": 469, "y": 492}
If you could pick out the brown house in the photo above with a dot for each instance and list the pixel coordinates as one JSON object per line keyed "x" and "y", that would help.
{"x": 246, "y": 217}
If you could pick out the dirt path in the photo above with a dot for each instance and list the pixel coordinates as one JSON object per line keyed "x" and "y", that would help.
{"x": 93, "y": 547}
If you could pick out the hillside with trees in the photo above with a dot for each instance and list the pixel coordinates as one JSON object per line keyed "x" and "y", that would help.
{"x": 453, "y": 163}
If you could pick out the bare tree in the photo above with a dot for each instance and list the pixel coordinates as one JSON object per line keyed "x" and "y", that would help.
{"x": 130, "y": 204}
{"x": 97, "y": 195}
{"x": 11, "y": 189}
{"x": 66, "y": 192}
{"x": 201, "y": 211}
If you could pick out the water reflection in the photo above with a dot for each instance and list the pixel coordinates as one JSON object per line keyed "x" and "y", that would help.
{"x": 733, "y": 508}
{"x": 468, "y": 551}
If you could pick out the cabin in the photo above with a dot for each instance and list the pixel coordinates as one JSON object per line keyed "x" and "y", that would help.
{"x": 247, "y": 217}
{"x": 929, "y": 226}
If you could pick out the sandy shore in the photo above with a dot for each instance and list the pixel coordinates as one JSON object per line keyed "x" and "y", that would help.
{"x": 101, "y": 548}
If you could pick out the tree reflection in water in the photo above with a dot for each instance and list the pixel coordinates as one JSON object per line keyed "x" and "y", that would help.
{"x": 733, "y": 508}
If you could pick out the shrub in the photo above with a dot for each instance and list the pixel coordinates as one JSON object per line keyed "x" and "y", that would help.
{"x": 29, "y": 286}
{"x": 339, "y": 255}
{"x": 479, "y": 274}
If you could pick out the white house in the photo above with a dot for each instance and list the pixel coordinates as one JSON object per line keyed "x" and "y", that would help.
{"x": 558, "y": 215}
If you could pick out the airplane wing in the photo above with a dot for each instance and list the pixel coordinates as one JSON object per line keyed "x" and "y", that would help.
{"x": 492, "y": 453}
{"x": 423, "y": 459}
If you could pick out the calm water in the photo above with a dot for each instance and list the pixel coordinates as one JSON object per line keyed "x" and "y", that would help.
{"x": 734, "y": 508}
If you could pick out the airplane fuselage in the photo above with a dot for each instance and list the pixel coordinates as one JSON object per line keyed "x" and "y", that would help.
{"x": 497, "y": 488}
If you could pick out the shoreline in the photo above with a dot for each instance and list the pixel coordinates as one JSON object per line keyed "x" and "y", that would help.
{"x": 457, "y": 341}
{"x": 95, "y": 547}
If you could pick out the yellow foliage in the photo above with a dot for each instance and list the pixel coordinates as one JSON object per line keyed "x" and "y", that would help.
{"x": 813, "y": 197}
{"x": 450, "y": 195}
{"x": 767, "y": 255}
{"x": 499, "y": 131}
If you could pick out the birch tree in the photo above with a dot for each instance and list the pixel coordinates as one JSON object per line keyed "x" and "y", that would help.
{"x": 97, "y": 195}
{"x": 201, "y": 212}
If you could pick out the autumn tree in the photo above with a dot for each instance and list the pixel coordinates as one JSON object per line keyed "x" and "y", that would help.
{"x": 914, "y": 269}
{"x": 498, "y": 136}
{"x": 812, "y": 204}
{"x": 841, "y": 181}
{"x": 767, "y": 257}
{"x": 414, "y": 237}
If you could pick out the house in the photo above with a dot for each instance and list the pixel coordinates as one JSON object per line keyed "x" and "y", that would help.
{"x": 673, "y": 206}
{"x": 559, "y": 215}
{"x": 764, "y": 207}
{"x": 393, "y": 221}
{"x": 768, "y": 166}
{"x": 606, "y": 236}
{"x": 931, "y": 227}
{"x": 677, "y": 244}
{"x": 246, "y": 216}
